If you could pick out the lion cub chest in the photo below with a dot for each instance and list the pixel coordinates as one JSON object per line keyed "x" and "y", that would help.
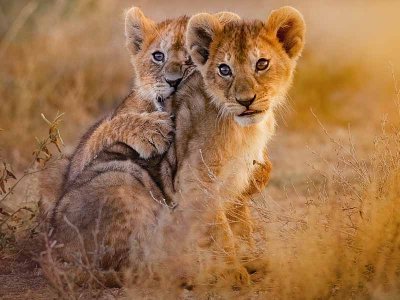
{"x": 223, "y": 161}
{"x": 239, "y": 157}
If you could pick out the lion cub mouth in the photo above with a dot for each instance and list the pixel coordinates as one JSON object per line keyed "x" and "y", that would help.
{"x": 249, "y": 112}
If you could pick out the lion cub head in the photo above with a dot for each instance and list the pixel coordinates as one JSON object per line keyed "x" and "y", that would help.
{"x": 158, "y": 55}
{"x": 247, "y": 66}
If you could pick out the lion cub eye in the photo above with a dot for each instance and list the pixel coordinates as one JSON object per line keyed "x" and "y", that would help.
{"x": 262, "y": 64}
{"x": 188, "y": 61}
{"x": 158, "y": 56}
{"x": 224, "y": 70}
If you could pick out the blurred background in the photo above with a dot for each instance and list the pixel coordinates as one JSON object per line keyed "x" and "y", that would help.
{"x": 69, "y": 56}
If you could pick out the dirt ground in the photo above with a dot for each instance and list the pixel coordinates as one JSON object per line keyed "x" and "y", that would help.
{"x": 21, "y": 278}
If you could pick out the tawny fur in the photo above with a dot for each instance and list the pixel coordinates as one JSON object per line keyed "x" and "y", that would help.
{"x": 50, "y": 186}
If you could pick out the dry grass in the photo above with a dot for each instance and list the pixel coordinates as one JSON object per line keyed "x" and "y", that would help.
{"x": 346, "y": 243}
{"x": 341, "y": 243}
{"x": 47, "y": 65}
{"x": 80, "y": 278}
{"x": 333, "y": 233}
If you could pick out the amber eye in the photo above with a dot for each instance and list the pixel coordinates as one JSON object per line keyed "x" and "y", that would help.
{"x": 262, "y": 64}
{"x": 224, "y": 70}
{"x": 158, "y": 56}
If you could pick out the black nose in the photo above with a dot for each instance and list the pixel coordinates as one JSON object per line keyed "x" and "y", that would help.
{"x": 173, "y": 83}
{"x": 246, "y": 102}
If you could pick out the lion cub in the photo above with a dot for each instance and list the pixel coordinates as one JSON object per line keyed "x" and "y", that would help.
{"x": 140, "y": 122}
{"x": 140, "y": 127}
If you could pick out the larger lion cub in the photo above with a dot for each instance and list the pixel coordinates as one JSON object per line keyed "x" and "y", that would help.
{"x": 226, "y": 116}
{"x": 246, "y": 69}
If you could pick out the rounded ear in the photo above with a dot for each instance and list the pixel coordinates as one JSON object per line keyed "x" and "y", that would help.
{"x": 200, "y": 32}
{"x": 288, "y": 26}
{"x": 137, "y": 26}
{"x": 226, "y": 17}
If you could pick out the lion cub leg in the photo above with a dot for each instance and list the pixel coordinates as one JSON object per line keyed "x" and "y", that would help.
{"x": 260, "y": 177}
{"x": 241, "y": 224}
{"x": 239, "y": 214}
{"x": 238, "y": 211}
{"x": 220, "y": 240}
{"x": 149, "y": 134}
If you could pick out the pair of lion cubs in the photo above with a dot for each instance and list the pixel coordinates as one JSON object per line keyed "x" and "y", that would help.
{"x": 124, "y": 171}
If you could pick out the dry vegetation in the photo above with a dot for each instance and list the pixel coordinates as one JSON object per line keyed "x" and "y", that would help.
{"x": 327, "y": 226}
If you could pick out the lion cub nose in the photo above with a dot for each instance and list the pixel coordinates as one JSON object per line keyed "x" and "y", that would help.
{"x": 246, "y": 101}
{"x": 173, "y": 83}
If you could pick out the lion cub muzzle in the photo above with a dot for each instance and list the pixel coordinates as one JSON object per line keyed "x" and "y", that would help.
{"x": 173, "y": 74}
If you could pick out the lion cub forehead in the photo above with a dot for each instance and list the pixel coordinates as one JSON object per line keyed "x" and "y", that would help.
{"x": 172, "y": 33}
{"x": 242, "y": 31}
{"x": 241, "y": 41}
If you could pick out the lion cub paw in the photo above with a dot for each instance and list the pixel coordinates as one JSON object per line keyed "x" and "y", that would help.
{"x": 240, "y": 276}
{"x": 153, "y": 136}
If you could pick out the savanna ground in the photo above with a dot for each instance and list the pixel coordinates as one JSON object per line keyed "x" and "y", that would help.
{"x": 329, "y": 213}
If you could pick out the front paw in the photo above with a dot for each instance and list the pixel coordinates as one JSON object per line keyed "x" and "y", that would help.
{"x": 235, "y": 276}
{"x": 154, "y": 135}
{"x": 238, "y": 276}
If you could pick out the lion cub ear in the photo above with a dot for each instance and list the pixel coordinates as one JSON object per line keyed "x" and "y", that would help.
{"x": 137, "y": 27}
{"x": 226, "y": 17}
{"x": 287, "y": 25}
{"x": 200, "y": 32}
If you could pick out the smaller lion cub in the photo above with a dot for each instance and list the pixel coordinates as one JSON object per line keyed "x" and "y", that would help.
{"x": 141, "y": 122}
{"x": 160, "y": 64}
